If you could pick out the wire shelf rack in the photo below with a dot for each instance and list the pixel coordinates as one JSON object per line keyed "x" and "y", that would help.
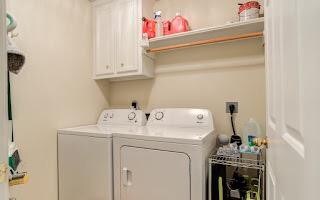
{"x": 238, "y": 162}
{"x": 255, "y": 162}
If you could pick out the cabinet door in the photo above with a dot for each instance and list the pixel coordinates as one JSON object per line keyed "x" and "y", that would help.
{"x": 154, "y": 174}
{"x": 127, "y": 36}
{"x": 104, "y": 20}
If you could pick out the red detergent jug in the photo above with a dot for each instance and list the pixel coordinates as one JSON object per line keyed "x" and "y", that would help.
{"x": 166, "y": 27}
{"x": 149, "y": 27}
{"x": 179, "y": 24}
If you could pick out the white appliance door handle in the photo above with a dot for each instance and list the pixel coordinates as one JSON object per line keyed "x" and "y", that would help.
{"x": 126, "y": 177}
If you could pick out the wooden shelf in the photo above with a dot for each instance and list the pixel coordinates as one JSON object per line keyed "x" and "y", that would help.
{"x": 229, "y": 32}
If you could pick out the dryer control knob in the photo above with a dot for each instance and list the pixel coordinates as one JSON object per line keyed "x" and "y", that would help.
{"x": 159, "y": 115}
{"x": 200, "y": 116}
{"x": 132, "y": 115}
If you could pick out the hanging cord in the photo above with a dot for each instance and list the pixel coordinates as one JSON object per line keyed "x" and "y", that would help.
{"x": 232, "y": 124}
{"x": 9, "y": 106}
{"x": 232, "y": 108}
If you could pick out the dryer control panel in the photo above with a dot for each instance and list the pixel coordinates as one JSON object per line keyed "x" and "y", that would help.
{"x": 181, "y": 117}
{"x": 122, "y": 117}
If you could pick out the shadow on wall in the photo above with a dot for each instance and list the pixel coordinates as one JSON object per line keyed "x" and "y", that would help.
{"x": 139, "y": 90}
{"x": 104, "y": 88}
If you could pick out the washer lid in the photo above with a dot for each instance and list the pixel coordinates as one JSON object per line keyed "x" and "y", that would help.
{"x": 91, "y": 130}
{"x": 184, "y": 135}
{"x": 109, "y": 120}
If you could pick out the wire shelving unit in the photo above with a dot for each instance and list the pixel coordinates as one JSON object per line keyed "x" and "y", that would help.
{"x": 242, "y": 162}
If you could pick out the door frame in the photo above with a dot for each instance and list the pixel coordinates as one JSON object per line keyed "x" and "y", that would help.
{"x": 4, "y": 188}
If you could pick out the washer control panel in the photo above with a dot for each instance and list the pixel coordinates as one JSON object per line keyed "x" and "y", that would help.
{"x": 132, "y": 116}
{"x": 200, "y": 116}
{"x": 181, "y": 117}
{"x": 122, "y": 117}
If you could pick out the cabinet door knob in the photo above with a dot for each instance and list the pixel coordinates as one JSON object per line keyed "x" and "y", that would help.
{"x": 122, "y": 64}
{"x": 107, "y": 66}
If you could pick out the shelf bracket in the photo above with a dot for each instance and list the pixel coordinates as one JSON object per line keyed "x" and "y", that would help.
{"x": 149, "y": 55}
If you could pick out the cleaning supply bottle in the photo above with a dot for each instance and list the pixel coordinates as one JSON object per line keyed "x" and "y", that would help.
{"x": 179, "y": 24}
{"x": 159, "y": 24}
{"x": 251, "y": 130}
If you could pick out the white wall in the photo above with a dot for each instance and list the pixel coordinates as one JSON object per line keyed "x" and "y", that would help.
{"x": 55, "y": 88}
{"x": 203, "y": 88}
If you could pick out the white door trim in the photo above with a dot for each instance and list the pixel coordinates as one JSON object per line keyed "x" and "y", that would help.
{"x": 3, "y": 100}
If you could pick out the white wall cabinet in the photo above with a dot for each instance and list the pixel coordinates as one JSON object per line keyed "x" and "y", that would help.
{"x": 118, "y": 54}
{"x": 105, "y": 45}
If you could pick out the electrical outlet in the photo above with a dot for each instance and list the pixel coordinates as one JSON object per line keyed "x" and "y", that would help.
{"x": 236, "y": 104}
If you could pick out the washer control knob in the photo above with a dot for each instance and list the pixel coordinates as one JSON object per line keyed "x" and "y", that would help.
{"x": 131, "y": 116}
{"x": 158, "y": 115}
{"x": 200, "y": 116}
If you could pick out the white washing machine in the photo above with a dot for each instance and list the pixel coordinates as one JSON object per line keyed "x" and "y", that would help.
{"x": 167, "y": 160}
{"x": 85, "y": 161}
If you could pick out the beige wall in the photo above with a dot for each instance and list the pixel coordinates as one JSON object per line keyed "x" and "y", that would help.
{"x": 209, "y": 88}
{"x": 202, "y": 13}
{"x": 203, "y": 88}
{"x": 55, "y": 88}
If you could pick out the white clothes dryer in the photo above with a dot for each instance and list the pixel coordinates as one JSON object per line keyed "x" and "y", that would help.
{"x": 167, "y": 159}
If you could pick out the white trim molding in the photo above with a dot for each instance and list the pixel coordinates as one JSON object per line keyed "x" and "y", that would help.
{"x": 212, "y": 64}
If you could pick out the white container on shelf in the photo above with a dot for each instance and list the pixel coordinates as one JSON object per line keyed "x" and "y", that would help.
{"x": 159, "y": 25}
{"x": 249, "y": 10}
{"x": 251, "y": 130}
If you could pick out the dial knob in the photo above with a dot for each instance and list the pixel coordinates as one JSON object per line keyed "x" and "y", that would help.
{"x": 132, "y": 115}
{"x": 200, "y": 116}
{"x": 105, "y": 117}
{"x": 159, "y": 115}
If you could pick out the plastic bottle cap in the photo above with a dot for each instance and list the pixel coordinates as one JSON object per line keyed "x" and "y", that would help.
{"x": 158, "y": 13}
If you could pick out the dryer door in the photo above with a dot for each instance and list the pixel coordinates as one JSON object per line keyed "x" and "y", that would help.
{"x": 154, "y": 174}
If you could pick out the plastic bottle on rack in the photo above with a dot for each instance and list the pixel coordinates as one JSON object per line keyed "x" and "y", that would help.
{"x": 159, "y": 25}
{"x": 251, "y": 130}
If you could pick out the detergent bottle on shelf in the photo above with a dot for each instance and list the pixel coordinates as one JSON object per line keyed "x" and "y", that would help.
{"x": 251, "y": 130}
{"x": 149, "y": 28}
{"x": 179, "y": 24}
{"x": 159, "y": 24}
